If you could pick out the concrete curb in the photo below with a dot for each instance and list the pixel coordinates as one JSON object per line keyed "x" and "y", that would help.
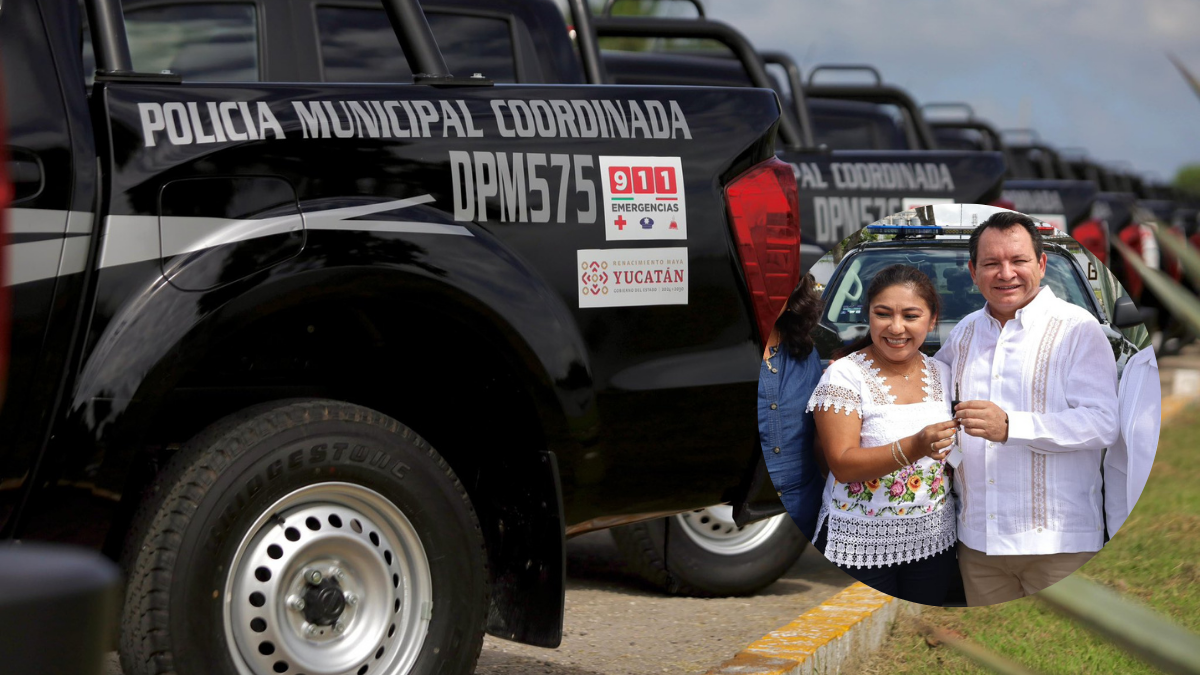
{"x": 852, "y": 623}
{"x": 855, "y": 621}
{"x": 1173, "y": 405}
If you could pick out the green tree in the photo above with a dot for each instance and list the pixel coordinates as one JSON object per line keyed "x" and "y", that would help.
{"x": 1188, "y": 178}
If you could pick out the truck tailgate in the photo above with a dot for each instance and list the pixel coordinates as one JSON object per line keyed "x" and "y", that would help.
{"x": 843, "y": 190}
{"x": 591, "y": 219}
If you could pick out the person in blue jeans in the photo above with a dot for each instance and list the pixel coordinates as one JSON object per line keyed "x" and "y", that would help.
{"x": 788, "y": 375}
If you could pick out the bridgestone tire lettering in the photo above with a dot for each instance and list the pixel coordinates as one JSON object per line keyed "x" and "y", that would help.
{"x": 200, "y": 508}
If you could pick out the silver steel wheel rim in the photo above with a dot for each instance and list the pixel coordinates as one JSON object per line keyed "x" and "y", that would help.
{"x": 334, "y": 528}
{"x": 713, "y": 530}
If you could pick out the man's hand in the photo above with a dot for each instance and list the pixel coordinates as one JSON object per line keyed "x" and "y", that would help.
{"x": 983, "y": 419}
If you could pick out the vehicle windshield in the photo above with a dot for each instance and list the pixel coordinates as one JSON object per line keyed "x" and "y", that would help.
{"x": 947, "y": 268}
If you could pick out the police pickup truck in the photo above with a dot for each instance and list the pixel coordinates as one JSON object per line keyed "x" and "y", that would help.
{"x": 844, "y": 183}
{"x": 333, "y": 369}
{"x": 1034, "y": 185}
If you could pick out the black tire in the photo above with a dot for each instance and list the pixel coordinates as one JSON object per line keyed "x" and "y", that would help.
{"x": 245, "y": 494}
{"x": 669, "y": 554}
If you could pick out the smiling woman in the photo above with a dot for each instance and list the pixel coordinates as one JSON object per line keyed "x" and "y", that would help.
{"x": 886, "y": 517}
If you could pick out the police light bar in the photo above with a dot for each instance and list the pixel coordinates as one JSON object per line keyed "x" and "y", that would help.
{"x": 927, "y": 230}
{"x": 905, "y": 230}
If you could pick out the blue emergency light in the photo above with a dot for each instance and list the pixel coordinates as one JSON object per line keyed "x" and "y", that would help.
{"x": 902, "y": 231}
{"x": 905, "y": 230}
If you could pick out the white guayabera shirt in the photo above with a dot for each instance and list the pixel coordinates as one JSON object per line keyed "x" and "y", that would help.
{"x": 1128, "y": 461}
{"x": 1053, "y": 371}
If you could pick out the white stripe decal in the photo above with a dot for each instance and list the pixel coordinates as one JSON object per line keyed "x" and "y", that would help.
{"x": 394, "y": 226}
{"x": 32, "y": 261}
{"x": 185, "y": 235}
{"x": 74, "y": 255}
{"x": 132, "y": 239}
{"x": 368, "y": 209}
{"x": 338, "y": 219}
{"x": 29, "y": 261}
{"x": 49, "y": 221}
{"x": 129, "y": 239}
{"x": 79, "y": 222}
{"x": 37, "y": 221}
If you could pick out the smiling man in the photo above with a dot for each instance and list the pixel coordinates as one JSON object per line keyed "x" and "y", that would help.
{"x": 1038, "y": 382}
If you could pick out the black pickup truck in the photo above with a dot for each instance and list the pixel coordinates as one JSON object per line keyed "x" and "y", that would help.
{"x": 844, "y": 183}
{"x": 249, "y": 301}
{"x": 1035, "y": 183}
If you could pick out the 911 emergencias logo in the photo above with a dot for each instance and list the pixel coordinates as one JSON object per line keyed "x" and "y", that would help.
{"x": 643, "y": 198}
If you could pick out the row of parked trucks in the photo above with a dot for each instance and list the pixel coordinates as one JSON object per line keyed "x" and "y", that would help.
{"x": 333, "y": 363}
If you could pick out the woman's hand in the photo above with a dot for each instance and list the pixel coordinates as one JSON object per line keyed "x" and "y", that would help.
{"x": 934, "y": 441}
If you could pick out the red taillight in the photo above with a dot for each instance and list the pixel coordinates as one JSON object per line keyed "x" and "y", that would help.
{"x": 1093, "y": 235}
{"x": 764, "y": 212}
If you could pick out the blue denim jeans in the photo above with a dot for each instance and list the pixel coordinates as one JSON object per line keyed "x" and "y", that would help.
{"x": 786, "y": 432}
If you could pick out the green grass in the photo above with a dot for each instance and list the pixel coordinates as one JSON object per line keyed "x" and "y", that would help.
{"x": 1154, "y": 560}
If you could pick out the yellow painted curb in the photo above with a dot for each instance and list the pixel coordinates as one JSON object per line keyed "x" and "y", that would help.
{"x": 802, "y": 645}
{"x": 1173, "y": 405}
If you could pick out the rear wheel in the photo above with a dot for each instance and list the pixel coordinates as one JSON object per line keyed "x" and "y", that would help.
{"x": 298, "y": 538}
{"x": 704, "y": 553}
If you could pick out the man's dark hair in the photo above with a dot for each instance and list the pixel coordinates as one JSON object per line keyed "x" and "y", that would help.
{"x": 1003, "y": 221}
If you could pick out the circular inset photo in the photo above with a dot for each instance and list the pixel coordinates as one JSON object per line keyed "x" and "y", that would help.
{"x": 962, "y": 405}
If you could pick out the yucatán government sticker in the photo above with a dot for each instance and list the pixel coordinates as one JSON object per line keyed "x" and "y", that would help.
{"x": 643, "y": 198}
{"x": 629, "y": 277}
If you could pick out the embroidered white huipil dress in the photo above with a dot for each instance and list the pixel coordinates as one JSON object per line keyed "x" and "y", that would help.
{"x": 907, "y": 514}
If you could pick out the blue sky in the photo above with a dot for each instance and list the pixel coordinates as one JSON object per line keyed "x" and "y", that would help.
{"x": 1083, "y": 73}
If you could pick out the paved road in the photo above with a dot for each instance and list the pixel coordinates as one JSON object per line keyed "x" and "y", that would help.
{"x": 616, "y": 625}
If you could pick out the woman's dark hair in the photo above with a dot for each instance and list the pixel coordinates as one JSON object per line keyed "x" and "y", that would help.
{"x": 895, "y": 275}
{"x": 799, "y": 317}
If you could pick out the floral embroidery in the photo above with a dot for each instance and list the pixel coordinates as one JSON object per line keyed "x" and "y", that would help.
{"x": 872, "y": 511}
{"x": 937, "y": 482}
{"x": 859, "y": 491}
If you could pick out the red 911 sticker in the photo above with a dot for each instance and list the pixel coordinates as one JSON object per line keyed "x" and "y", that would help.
{"x": 643, "y": 198}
